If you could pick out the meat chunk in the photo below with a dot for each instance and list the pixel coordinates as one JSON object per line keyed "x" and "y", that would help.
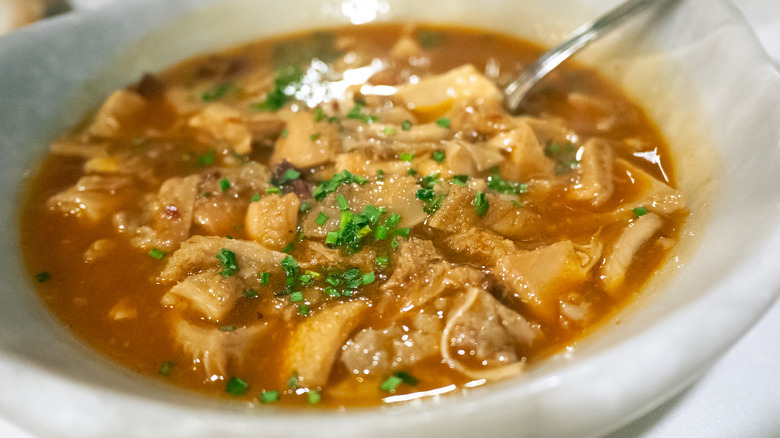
{"x": 481, "y": 244}
{"x": 535, "y": 278}
{"x": 457, "y": 213}
{"x": 635, "y": 235}
{"x": 464, "y": 158}
{"x": 595, "y": 183}
{"x": 656, "y": 196}
{"x": 485, "y": 339}
{"x": 213, "y": 348}
{"x": 173, "y": 211}
{"x": 166, "y": 218}
{"x": 379, "y": 352}
{"x": 526, "y": 158}
{"x": 308, "y": 143}
{"x": 92, "y": 197}
{"x": 199, "y": 253}
{"x": 209, "y": 294}
{"x": 225, "y": 125}
{"x": 118, "y": 115}
{"x": 272, "y": 221}
{"x": 420, "y": 275}
{"x": 222, "y": 209}
{"x": 433, "y": 96}
{"x": 315, "y": 343}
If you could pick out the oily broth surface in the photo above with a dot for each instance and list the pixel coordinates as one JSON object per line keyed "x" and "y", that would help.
{"x": 82, "y": 295}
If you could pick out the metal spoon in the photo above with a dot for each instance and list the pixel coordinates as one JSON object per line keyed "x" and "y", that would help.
{"x": 516, "y": 91}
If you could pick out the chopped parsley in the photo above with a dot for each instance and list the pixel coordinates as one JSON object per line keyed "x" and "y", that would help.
{"x": 342, "y": 201}
{"x": 217, "y": 92}
{"x": 250, "y": 293}
{"x": 390, "y": 384}
{"x": 372, "y": 213}
{"x": 224, "y": 184}
{"x": 319, "y": 114}
{"x": 431, "y": 38}
{"x": 313, "y": 397}
{"x": 389, "y": 130}
{"x": 269, "y": 396}
{"x": 444, "y": 122}
{"x": 403, "y": 232}
{"x": 381, "y": 232}
{"x": 265, "y": 277}
{"x": 291, "y": 268}
{"x": 406, "y": 125}
{"x": 398, "y": 377}
{"x": 296, "y": 296}
{"x": 228, "y": 260}
{"x": 564, "y": 155}
{"x": 322, "y": 218}
{"x": 640, "y": 211}
{"x": 500, "y": 185}
{"x": 407, "y": 378}
{"x": 346, "y": 282}
{"x": 406, "y": 156}
{"x": 292, "y": 382}
{"x": 156, "y": 253}
{"x": 438, "y": 156}
{"x": 382, "y": 261}
{"x": 481, "y": 204}
{"x": 331, "y": 185}
{"x": 461, "y": 180}
{"x": 287, "y": 81}
{"x": 236, "y": 386}
{"x": 357, "y": 113}
{"x": 206, "y": 159}
{"x": 166, "y": 368}
{"x": 428, "y": 195}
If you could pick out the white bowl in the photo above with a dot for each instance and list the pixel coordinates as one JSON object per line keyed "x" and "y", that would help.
{"x": 699, "y": 73}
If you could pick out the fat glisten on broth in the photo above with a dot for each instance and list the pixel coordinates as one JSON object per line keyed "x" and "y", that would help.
{"x": 349, "y": 216}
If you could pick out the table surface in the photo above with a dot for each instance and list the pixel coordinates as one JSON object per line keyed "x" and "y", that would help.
{"x": 740, "y": 396}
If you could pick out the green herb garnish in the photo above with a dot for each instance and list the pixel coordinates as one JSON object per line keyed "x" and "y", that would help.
{"x": 269, "y": 396}
{"x": 287, "y": 81}
{"x": 265, "y": 278}
{"x": 217, "y": 92}
{"x": 166, "y": 368}
{"x": 481, "y": 204}
{"x": 444, "y": 122}
{"x": 322, "y": 218}
{"x": 228, "y": 260}
{"x": 224, "y": 184}
{"x": 236, "y": 386}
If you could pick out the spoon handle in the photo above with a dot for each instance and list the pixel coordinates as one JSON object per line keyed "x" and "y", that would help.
{"x": 581, "y": 37}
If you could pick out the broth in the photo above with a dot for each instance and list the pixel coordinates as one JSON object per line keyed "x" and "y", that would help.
{"x": 349, "y": 217}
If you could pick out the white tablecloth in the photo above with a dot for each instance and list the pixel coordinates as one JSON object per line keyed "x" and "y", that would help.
{"x": 740, "y": 396}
